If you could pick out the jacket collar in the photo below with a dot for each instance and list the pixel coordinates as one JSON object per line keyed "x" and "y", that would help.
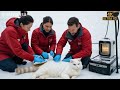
{"x": 69, "y": 36}
{"x": 41, "y": 30}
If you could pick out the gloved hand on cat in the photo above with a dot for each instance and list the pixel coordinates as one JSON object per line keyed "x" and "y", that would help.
{"x": 57, "y": 58}
{"x": 67, "y": 59}
{"x": 45, "y": 55}
{"x": 38, "y": 59}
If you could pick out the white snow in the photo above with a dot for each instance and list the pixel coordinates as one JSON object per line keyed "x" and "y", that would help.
{"x": 92, "y": 20}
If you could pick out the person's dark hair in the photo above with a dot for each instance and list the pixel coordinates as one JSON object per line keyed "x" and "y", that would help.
{"x": 25, "y": 20}
{"x": 47, "y": 19}
{"x": 72, "y": 21}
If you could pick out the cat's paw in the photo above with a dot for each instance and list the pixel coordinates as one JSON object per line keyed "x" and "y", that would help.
{"x": 34, "y": 76}
{"x": 65, "y": 76}
{"x": 41, "y": 77}
{"x": 73, "y": 77}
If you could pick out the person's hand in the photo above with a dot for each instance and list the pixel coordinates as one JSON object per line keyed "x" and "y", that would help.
{"x": 67, "y": 59}
{"x": 52, "y": 53}
{"x": 45, "y": 55}
{"x": 38, "y": 59}
{"x": 57, "y": 58}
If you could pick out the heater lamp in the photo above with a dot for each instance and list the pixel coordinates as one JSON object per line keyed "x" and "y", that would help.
{"x": 106, "y": 48}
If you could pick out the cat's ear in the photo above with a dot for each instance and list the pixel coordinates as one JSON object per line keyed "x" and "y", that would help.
{"x": 79, "y": 59}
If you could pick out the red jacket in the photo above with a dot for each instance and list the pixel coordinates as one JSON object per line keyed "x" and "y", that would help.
{"x": 10, "y": 42}
{"x": 80, "y": 47}
{"x": 40, "y": 42}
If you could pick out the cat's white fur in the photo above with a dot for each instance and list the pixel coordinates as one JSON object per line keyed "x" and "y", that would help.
{"x": 65, "y": 70}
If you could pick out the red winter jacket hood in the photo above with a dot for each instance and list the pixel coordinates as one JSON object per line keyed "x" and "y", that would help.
{"x": 11, "y": 22}
{"x": 11, "y": 39}
{"x": 80, "y": 47}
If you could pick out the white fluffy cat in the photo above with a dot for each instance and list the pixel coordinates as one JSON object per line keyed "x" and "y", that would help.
{"x": 65, "y": 70}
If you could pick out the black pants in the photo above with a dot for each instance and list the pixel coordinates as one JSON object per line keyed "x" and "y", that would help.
{"x": 10, "y": 64}
{"x": 85, "y": 61}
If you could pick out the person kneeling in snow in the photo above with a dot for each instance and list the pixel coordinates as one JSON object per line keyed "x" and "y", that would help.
{"x": 43, "y": 39}
{"x": 80, "y": 42}
{"x": 14, "y": 44}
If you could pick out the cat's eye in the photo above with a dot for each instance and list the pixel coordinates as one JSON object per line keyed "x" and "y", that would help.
{"x": 78, "y": 64}
{"x": 74, "y": 64}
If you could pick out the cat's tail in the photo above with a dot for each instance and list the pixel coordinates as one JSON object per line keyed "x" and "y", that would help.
{"x": 25, "y": 69}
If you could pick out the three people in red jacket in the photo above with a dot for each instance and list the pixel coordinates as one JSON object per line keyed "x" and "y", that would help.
{"x": 43, "y": 39}
{"x": 14, "y": 43}
{"x": 79, "y": 40}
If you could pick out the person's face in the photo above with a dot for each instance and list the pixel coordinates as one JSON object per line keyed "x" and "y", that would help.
{"x": 26, "y": 27}
{"x": 73, "y": 29}
{"x": 47, "y": 26}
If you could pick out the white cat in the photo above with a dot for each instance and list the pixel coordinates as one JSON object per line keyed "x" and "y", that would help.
{"x": 65, "y": 70}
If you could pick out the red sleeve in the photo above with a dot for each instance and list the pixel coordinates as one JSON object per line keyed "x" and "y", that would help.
{"x": 53, "y": 44}
{"x": 30, "y": 50}
{"x": 86, "y": 46}
{"x": 35, "y": 43}
{"x": 61, "y": 43}
{"x": 14, "y": 45}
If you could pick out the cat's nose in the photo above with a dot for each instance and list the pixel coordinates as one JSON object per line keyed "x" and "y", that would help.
{"x": 77, "y": 67}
